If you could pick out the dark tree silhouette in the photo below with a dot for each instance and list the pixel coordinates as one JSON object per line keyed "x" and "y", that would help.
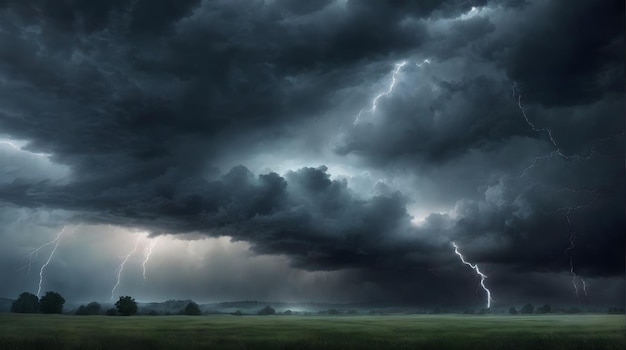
{"x": 51, "y": 303}
{"x": 512, "y": 311}
{"x": 191, "y": 309}
{"x": 126, "y": 306}
{"x": 268, "y": 310}
{"x": 527, "y": 309}
{"x": 92, "y": 308}
{"x": 26, "y": 303}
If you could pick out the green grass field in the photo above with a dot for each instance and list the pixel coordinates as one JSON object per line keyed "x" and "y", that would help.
{"x": 22, "y": 331}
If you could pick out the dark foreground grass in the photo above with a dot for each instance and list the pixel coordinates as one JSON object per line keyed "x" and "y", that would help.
{"x": 51, "y": 332}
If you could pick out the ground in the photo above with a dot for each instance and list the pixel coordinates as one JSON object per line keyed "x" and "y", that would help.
{"x": 22, "y": 331}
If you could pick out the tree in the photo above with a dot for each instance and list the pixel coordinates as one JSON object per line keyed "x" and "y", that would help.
{"x": 191, "y": 309}
{"x": 26, "y": 303}
{"x": 527, "y": 309}
{"x": 92, "y": 308}
{"x": 111, "y": 312}
{"x": 51, "y": 303}
{"x": 126, "y": 306}
{"x": 512, "y": 311}
{"x": 268, "y": 310}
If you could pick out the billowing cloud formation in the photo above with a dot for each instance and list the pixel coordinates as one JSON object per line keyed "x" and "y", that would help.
{"x": 239, "y": 119}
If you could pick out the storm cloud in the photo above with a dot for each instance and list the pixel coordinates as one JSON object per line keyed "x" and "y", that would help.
{"x": 502, "y": 129}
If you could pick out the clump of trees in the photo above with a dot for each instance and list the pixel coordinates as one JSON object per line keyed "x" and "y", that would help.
{"x": 92, "y": 308}
{"x": 51, "y": 303}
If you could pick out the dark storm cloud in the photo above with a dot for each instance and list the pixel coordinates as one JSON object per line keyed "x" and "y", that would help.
{"x": 316, "y": 221}
{"x": 142, "y": 100}
{"x": 568, "y": 55}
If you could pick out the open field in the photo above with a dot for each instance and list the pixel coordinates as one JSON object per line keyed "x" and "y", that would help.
{"x": 34, "y": 331}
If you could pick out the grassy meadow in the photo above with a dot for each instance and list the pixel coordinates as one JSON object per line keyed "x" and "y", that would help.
{"x": 50, "y": 332}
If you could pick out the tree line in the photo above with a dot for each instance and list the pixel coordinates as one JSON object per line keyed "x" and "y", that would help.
{"x": 52, "y": 303}
{"x": 28, "y": 303}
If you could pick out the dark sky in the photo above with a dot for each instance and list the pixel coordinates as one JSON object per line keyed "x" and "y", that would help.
{"x": 325, "y": 150}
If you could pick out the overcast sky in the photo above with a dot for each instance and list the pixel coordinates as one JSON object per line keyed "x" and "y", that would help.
{"x": 325, "y": 150}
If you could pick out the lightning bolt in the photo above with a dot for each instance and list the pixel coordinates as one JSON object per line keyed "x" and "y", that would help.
{"x": 478, "y": 272}
{"x": 56, "y": 241}
{"x": 394, "y": 79}
{"x": 120, "y": 268}
{"x": 572, "y": 240}
{"x": 517, "y": 95}
{"x": 147, "y": 253}
{"x": 33, "y": 254}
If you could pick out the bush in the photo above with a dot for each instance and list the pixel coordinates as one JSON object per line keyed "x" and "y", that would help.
{"x": 111, "y": 312}
{"x": 26, "y": 303}
{"x": 51, "y": 303}
{"x": 513, "y": 311}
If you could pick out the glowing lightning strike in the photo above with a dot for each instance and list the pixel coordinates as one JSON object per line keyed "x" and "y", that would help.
{"x": 475, "y": 268}
{"x": 120, "y": 268}
{"x": 33, "y": 254}
{"x": 385, "y": 93}
{"x": 147, "y": 253}
{"x": 394, "y": 77}
{"x": 56, "y": 245}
